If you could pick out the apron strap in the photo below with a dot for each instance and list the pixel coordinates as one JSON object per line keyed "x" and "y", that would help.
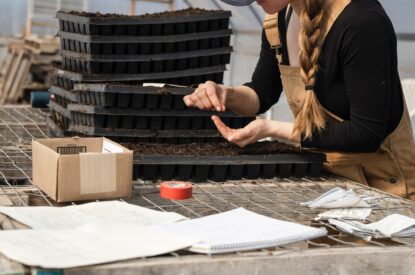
{"x": 273, "y": 34}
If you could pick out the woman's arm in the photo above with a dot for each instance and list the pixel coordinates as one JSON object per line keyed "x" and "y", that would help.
{"x": 249, "y": 99}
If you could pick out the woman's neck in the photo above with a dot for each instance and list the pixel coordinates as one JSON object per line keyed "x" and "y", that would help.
{"x": 298, "y": 6}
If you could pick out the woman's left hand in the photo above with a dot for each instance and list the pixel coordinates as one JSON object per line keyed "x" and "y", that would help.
{"x": 256, "y": 130}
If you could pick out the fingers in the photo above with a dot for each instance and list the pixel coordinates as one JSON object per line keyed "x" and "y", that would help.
{"x": 240, "y": 137}
{"x": 212, "y": 93}
{"x": 205, "y": 97}
{"x": 222, "y": 128}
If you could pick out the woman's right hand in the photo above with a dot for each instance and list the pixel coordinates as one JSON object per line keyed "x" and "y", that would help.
{"x": 208, "y": 96}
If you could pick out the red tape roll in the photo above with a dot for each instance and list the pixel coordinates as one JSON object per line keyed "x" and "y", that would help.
{"x": 176, "y": 190}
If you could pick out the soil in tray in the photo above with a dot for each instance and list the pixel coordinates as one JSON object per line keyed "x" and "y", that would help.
{"x": 215, "y": 149}
{"x": 184, "y": 12}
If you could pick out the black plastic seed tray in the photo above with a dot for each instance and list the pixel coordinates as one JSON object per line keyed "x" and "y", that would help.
{"x": 148, "y": 135}
{"x": 222, "y": 168}
{"x": 132, "y": 96}
{"x": 157, "y": 121}
{"x": 185, "y": 77}
{"x": 145, "y": 64}
{"x": 184, "y": 22}
{"x": 144, "y": 45}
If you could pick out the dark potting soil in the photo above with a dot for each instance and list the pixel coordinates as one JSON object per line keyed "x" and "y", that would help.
{"x": 214, "y": 149}
{"x": 184, "y": 12}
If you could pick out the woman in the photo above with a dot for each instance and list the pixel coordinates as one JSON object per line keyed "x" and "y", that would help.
{"x": 336, "y": 60}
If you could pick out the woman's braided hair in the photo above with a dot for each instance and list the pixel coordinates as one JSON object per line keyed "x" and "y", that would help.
{"x": 311, "y": 116}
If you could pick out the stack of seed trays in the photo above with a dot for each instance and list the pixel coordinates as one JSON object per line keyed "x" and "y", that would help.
{"x": 135, "y": 113}
{"x": 181, "y": 47}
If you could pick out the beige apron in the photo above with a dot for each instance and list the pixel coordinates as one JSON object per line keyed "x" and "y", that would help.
{"x": 392, "y": 167}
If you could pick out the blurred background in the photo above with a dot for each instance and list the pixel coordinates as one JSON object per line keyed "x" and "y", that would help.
{"x": 20, "y": 17}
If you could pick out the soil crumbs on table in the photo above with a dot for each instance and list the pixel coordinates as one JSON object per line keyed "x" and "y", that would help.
{"x": 214, "y": 149}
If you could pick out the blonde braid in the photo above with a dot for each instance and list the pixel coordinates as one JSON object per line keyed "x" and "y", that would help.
{"x": 311, "y": 116}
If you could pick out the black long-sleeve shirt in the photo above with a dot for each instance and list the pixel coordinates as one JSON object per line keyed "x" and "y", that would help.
{"x": 358, "y": 79}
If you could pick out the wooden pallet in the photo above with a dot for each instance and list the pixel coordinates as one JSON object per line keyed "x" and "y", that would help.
{"x": 16, "y": 73}
{"x": 31, "y": 55}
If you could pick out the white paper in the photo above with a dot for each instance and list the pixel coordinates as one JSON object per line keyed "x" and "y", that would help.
{"x": 240, "y": 229}
{"x": 111, "y": 212}
{"x": 108, "y": 147}
{"x": 338, "y": 198}
{"x": 345, "y": 213}
{"x": 88, "y": 245}
{"x": 394, "y": 225}
{"x": 157, "y": 85}
{"x": 162, "y": 85}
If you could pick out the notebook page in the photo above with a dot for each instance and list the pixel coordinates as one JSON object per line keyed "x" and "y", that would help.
{"x": 240, "y": 229}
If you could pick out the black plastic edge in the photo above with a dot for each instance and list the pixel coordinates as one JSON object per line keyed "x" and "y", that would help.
{"x": 137, "y": 77}
{"x": 149, "y": 57}
{"x": 143, "y": 39}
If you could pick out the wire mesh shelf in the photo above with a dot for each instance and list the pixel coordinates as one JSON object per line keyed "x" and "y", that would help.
{"x": 276, "y": 198}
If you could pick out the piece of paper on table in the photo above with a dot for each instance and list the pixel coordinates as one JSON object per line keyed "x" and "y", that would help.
{"x": 46, "y": 217}
{"x": 162, "y": 85}
{"x": 88, "y": 245}
{"x": 345, "y": 214}
{"x": 394, "y": 225}
{"x": 339, "y": 198}
{"x": 240, "y": 229}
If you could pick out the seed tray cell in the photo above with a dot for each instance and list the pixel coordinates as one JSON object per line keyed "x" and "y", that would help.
{"x": 63, "y": 82}
{"x": 143, "y": 45}
{"x": 185, "y": 77}
{"x": 156, "y": 64}
{"x": 59, "y": 109}
{"x": 156, "y": 24}
{"x": 62, "y": 96}
{"x": 55, "y": 126}
{"x": 151, "y": 122}
{"x": 222, "y": 168}
{"x": 60, "y": 119}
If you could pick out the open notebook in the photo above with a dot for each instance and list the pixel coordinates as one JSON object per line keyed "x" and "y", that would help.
{"x": 240, "y": 229}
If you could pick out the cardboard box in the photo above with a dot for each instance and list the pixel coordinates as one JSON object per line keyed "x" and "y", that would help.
{"x": 77, "y": 169}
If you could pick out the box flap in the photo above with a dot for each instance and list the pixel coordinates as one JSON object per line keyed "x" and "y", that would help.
{"x": 109, "y": 145}
{"x": 45, "y": 168}
{"x": 73, "y": 145}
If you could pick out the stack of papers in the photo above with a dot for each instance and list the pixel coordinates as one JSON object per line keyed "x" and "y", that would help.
{"x": 240, "y": 229}
{"x": 394, "y": 225}
{"x": 339, "y": 198}
{"x": 87, "y": 234}
{"x": 101, "y": 232}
